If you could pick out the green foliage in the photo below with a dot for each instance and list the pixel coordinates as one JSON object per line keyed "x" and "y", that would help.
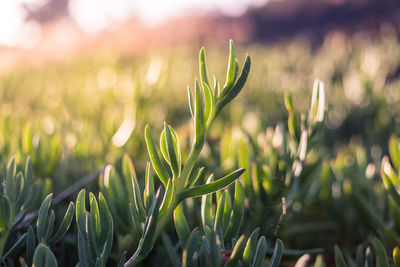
{"x": 44, "y": 257}
{"x": 95, "y": 230}
{"x": 45, "y": 223}
{"x": 178, "y": 186}
{"x": 209, "y": 250}
{"x": 304, "y": 184}
{"x": 365, "y": 257}
{"x": 16, "y": 196}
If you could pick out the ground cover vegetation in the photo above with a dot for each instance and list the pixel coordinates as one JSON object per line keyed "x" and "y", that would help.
{"x": 103, "y": 163}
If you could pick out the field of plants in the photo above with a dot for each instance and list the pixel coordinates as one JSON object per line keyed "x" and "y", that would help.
{"x": 247, "y": 155}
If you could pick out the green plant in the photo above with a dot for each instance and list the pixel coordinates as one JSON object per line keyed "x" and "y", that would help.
{"x": 95, "y": 230}
{"x": 364, "y": 256}
{"x": 149, "y": 211}
{"x": 209, "y": 250}
{"x": 276, "y": 178}
{"x": 305, "y": 184}
{"x": 219, "y": 243}
{"x": 204, "y": 108}
{"x": 16, "y": 194}
{"x": 45, "y": 235}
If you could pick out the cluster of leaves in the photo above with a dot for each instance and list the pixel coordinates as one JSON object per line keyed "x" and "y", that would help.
{"x": 149, "y": 212}
{"x": 277, "y": 185}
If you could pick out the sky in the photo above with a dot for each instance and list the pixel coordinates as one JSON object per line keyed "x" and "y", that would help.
{"x": 93, "y": 16}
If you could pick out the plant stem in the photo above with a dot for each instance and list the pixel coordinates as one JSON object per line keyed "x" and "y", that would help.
{"x": 187, "y": 169}
{"x": 194, "y": 154}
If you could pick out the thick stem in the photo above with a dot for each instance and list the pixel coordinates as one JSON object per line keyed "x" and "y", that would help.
{"x": 194, "y": 155}
{"x": 187, "y": 169}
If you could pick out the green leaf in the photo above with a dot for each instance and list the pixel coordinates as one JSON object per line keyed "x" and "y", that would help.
{"x": 320, "y": 112}
{"x": 106, "y": 227}
{"x": 5, "y": 213}
{"x": 289, "y": 102}
{"x": 167, "y": 198}
{"x": 210, "y": 187}
{"x": 236, "y": 69}
{"x": 30, "y": 245}
{"x": 250, "y": 249}
{"x": 163, "y": 146}
{"x": 294, "y": 126}
{"x": 381, "y": 256}
{"x": 44, "y": 257}
{"x": 195, "y": 177}
{"x": 155, "y": 159}
{"x": 138, "y": 198}
{"x": 203, "y": 67}
{"x": 230, "y": 75}
{"x": 220, "y": 236}
{"x": 203, "y": 254}
{"x": 394, "y": 151}
{"x": 65, "y": 224}
{"x": 146, "y": 242}
{"x": 181, "y": 225}
{"x": 219, "y": 215}
{"x": 191, "y": 101}
{"x": 216, "y": 87}
{"x": 81, "y": 214}
{"x": 171, "y": 252}
{"x": 314, "y": 98}
{"x": 206, "y": 207}
{"x": 237, "y": 253}
{"x": 27, "y": 183}
{"x": 209, "y": 103}
{"x": 226, "y": 214}
{"x": 237, "y": 87}
{"x": 177, "y": 149}
{"x": 172, "y": 153}
{"x": 84, "y": 254}
{"x": 42, "y": 221}
{"x": 261, "y": 250}
{"x": 93, "y": 225}
{"x": 277, "y": 255}
{"x": 11, "y": 170}
{"x": 128, "y": 170}
{"x": 386, "y": 174}
{"x": 215, "y": 247}
{"x": 190, "y": 249}
{"x": 135, "y": 218}
{"x": 199, "y": 124}
{"x": 50, "y": 226}
{"x": 339, "y": 259}
{"x": 17, "y": 187}
{"x": 149, "y": 190}
{"x": 236, "y": 217}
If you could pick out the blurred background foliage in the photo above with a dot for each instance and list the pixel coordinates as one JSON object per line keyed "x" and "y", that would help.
{"x": 94, "y": 108}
